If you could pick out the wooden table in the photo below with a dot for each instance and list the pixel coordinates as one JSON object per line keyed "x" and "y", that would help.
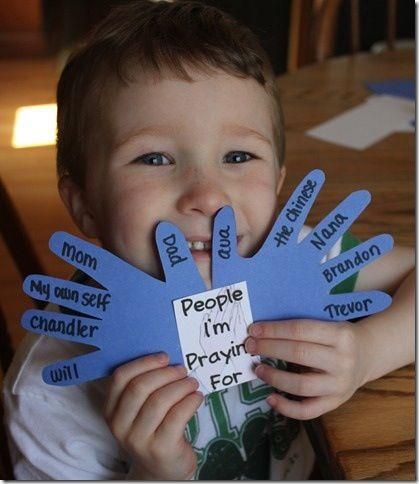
{"x": 372, "y": 435}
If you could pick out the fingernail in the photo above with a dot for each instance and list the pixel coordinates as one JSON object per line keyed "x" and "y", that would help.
{"x": 162, "y": 357}
{"x": 181, "y": 369}
{"x": 271, "y": 400}
{"x": 250, "y": 345}
{"x": 259, "y": 370}
{"x": 255, "y": 330}
{"x": 193, "y": 380}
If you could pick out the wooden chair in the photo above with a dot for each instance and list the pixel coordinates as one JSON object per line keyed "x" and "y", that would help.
{"x": 27, "y": 262}
{"x": 313, "y": 30}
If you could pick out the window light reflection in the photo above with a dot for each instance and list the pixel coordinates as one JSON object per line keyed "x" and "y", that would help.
{"x": 34, "y": 126}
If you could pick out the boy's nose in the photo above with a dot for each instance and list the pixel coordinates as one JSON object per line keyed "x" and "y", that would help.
{"x": 202, "y": 194}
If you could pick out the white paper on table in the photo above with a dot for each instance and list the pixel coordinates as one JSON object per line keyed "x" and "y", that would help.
{"x": 212, "y": 339}
{"x": 368, "y": 123}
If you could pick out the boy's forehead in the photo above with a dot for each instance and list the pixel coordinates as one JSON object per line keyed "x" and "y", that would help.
{"x": 211, "y": 97}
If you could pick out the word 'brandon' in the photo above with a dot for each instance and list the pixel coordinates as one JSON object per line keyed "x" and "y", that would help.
{"x": 319, "y": 237}
{"x": 358, "y": 259}
{"x": 74, "y": 327}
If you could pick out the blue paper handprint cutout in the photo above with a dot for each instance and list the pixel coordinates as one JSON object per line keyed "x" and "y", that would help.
{"x": 285, "y": 278}
{"x": 133, "y": 315}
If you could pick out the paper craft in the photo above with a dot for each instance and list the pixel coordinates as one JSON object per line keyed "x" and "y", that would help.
{"x": 361, "y": 127}
{"x": 136, "y": 314}
{"x": 212, "y": 329}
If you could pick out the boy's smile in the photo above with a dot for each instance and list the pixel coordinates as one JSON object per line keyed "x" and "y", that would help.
{"x": 181, "y": 151}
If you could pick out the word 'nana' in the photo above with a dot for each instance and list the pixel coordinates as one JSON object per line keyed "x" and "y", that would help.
{"x": 326, "y": 233}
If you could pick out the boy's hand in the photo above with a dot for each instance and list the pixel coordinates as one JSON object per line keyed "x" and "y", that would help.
{"x": 148, "y": 407}
{"x": 331, "y": 352}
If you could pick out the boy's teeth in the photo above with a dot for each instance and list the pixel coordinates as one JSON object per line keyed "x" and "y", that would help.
{"x": 198, "y": 245}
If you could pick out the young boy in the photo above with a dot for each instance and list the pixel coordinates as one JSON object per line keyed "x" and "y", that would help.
{"x": 170, "y": 112}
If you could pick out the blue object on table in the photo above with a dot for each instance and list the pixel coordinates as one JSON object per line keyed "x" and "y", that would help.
{"x": 396, "y": 87}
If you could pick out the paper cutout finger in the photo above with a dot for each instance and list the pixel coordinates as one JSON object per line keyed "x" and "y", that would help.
{"x": 286, "y": 279}
{"x": 292, "y": 217}
{"x": 348, "y": 263}
{"x": 64, "y": 326}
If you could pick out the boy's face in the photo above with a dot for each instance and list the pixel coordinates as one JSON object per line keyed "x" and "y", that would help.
{"x": 181, "y": 151}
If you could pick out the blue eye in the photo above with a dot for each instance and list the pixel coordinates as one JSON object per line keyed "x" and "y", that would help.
{"x": 153, "y": 159}
{"x": 238, "y": 157}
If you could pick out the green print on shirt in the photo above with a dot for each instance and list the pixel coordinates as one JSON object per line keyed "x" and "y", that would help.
{"x": 244, "y": 452}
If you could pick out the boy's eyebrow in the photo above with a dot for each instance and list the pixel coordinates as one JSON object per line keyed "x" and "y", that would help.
{"x": 163, "y": 130}
{"x": 238, "y": 130}
{"x": 147, "y": 130}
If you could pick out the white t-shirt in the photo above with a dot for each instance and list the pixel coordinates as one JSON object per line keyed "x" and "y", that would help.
{"x": 59, "y": 433}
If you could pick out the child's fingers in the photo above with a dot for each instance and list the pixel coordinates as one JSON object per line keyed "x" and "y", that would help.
{"x": 160, "y": 402}
{"x": 125, "y": 373}
{"x": 325, "y": 333}
{"x": 302, "y": 384}
{"x": 178, "y": 416}
{"x": 302, "y": 409}
{"x": 307, "y": 354}
{"x": 136, "y": 394}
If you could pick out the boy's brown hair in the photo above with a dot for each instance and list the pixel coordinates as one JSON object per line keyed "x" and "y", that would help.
{"x": 151, "y": 35}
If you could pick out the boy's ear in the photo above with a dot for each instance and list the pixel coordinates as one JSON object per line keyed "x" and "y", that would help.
{"x": 73, "y": 197}
{"x": 281, "y": 178}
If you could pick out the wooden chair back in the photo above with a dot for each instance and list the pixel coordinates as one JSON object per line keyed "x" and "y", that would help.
{"x": 313, "y": 23}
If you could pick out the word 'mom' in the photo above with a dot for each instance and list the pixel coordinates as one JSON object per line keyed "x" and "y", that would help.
{"x": 70, "y": 252}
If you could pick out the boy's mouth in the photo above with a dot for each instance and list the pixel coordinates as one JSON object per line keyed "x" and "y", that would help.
{"x": 199, "y": 245}
{"x": 203, "y": 246}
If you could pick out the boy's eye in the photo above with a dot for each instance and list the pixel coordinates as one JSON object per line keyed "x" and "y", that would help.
{"x": 154, "y": 159}
{"x": 238, "y": 157}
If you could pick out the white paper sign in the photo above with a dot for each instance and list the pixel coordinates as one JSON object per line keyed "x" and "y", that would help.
{"x": 212, "y": 329}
